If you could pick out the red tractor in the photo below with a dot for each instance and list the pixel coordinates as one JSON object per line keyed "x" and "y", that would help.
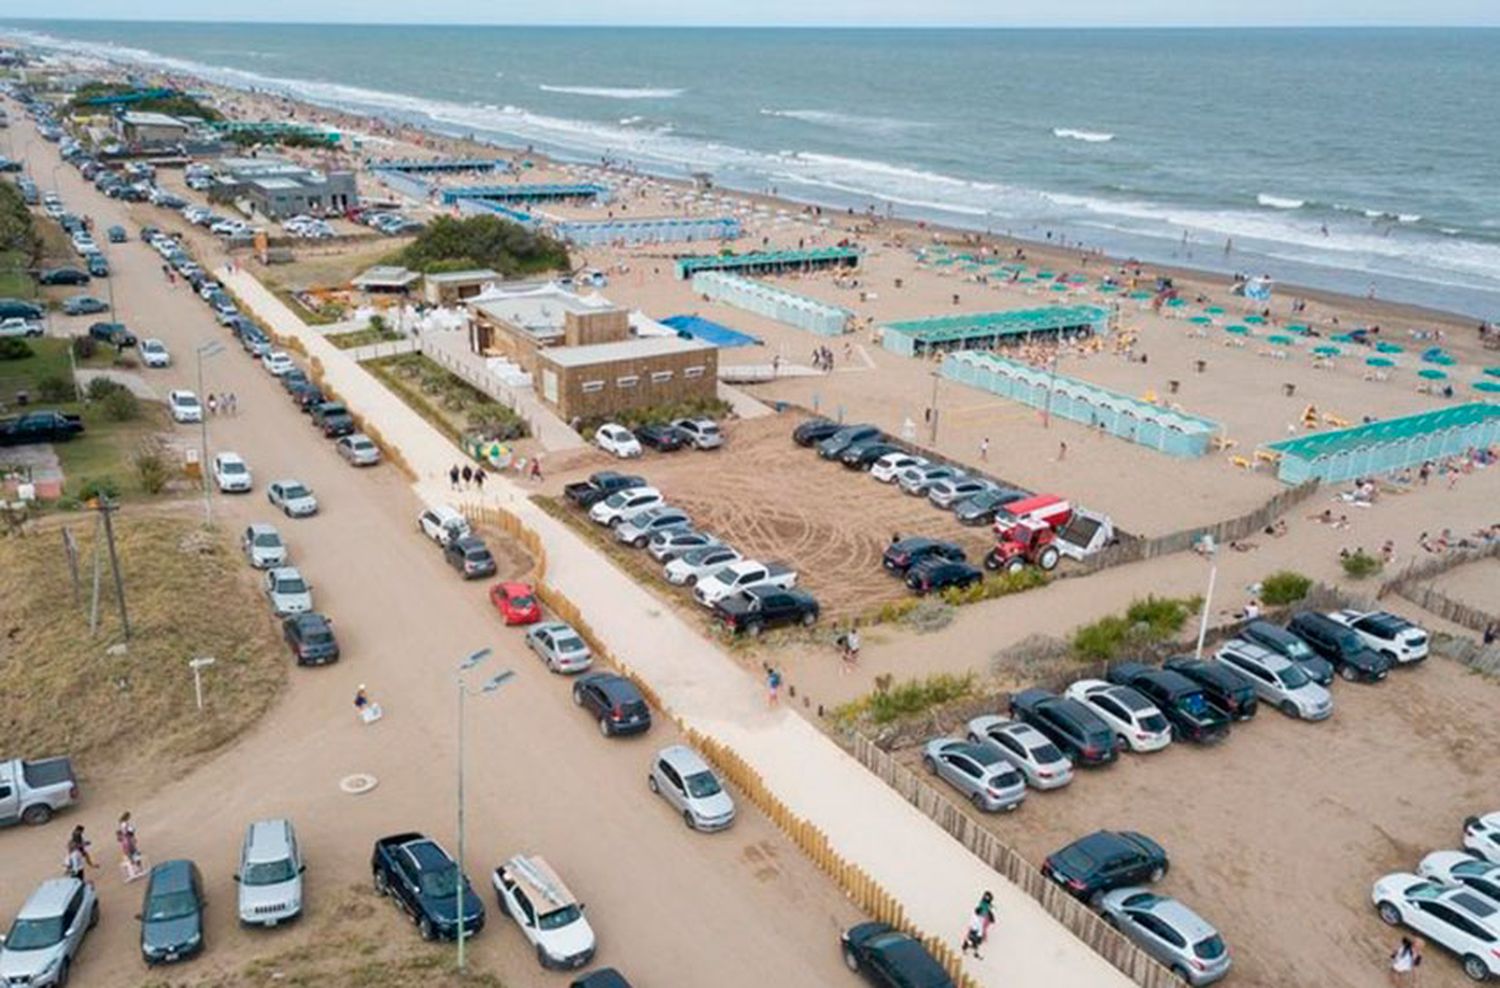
{"x": 1025, "y": 541}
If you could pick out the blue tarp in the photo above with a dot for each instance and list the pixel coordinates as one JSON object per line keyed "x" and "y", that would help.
{"x": 709, "y": 332}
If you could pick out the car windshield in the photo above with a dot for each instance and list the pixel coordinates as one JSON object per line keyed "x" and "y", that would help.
{"x": 294, "y": 585}
{"x": 317, "y": 634}
{"x": 701, "y": 785}
{"x": 1292, "y": 677}
{"x": 1296, "y": 648}
{"x": 268, "y": 540}
{"x": 187, "y": 401}
{"x": 269, "y": 872}
{"x": 523, "y": 602}
{"x": 169, "y": 906}
{"x": 232, "y": 466}
{"x": 362, "y": 445}
{"x": 1210, "y": 949}
{"x": 441, "y": 882}
{"x": 571, "y": 643}
{"x": 1046, "y": 754}
{"x": 558, "y": 918}
{"x": 34, "y": 934}
{"x": 292, "y": 491}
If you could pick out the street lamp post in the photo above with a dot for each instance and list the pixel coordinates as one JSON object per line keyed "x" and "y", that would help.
{"x": 936, "y": 377}
{"x": 490, "y": 685}
{"x": 1208, "y": 548}
{"x": 205, "y": 350}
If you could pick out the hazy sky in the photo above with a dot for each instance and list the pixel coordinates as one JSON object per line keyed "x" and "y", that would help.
{"x": 997, "y": 13}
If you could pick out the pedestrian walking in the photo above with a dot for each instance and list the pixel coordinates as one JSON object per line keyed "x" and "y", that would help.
{"x": 974, "y": 935}
{"x": 130, "y": 851}
{"x": 536, "y": 468}
{"x": 773, "y": 685}
{"x": 213, "y": 404}
{"x": 78, "y": 854}
{"x": 468, "y": 475}
{"x": 1062, "y": 452}
{"x": 850, "y": 644}
{"x": 479, "y": 478}
{"x": 987, "y": 910}
{"x": 1405, "y": 960}
{"x": 453, "y": 476}
{"x": 984, "y": 449}
{"x": 234, "y": 404}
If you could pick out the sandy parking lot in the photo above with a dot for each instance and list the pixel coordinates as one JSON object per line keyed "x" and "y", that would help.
{"x": 1277, "y": 834}
{"x": 775, "y": 501}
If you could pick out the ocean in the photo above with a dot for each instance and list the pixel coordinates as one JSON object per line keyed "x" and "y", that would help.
{"x": 1343, "y": 159}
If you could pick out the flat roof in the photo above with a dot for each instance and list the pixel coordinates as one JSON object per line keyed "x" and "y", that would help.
{"x": 1387, "y": 431}
{"x": 274, "y": 183}
{"x": 1014, "y": 322}
{"x": 385, "y": 275}
{"x": 604, "y": 353}
{"x": 541, "y": 311}
{"x": 153, "y": 120}
{"x": 476, "y": 274}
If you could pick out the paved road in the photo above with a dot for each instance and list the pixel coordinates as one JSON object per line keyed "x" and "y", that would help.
{"x": 671, "y": 907}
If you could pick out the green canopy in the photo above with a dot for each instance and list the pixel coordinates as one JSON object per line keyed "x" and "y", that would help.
{"x": 1059, "y": 287}
{"x": 1327, "y": 351}
{"x": 1238, "y": 330}
{"x": 1389, "y": 347}
{"x": 1140, "y": 296}
{"x": 1200, "y": 320}
{"x": 1380, "y": 362}
{"x": 1444, "y": 359}
{"x": 1176, "y": 303}
{"x": 1489, "y": 386}
{"x": 1432, "y": 374}
{"x": 1299, "y": 328}
{"x": 1341, "y": 338}
{"x": 1046, "y": 274}
{"x": 1492, "y": 371}
{"x": 1255, "y": 320}
{"x": 1215, "y": 310}
{"x": 1279, "y": 340}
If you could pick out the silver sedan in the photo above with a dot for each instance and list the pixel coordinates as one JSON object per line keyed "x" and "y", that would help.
{"x": 978, "y": 770}
{"x": 558, "y": 645}
{"x": 1182, "y": 940}
{"x": 1041, "y": 761}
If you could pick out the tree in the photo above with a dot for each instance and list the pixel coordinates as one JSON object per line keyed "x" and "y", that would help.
{"x": 449, "y": 244}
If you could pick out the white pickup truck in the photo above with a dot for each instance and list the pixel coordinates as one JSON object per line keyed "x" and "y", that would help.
{"x": 739, "y": 576}
{"x": 30, "y": 792}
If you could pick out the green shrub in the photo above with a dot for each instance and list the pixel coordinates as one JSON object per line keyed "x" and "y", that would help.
{"x": 1101, "y": 640}
{"x": 453, "y": 244}
{"x": 1162, "y": 616}
{"x": 1144, "y": 622}
{"x": 915, "y": 696}
{"x": 1284, "y": 587}
{"x": 152, "y": 467}
{"x": 55, "y": 388}
{"x": 100, "y": 388}
{"x": 85, "y": 347}
{"x": 121, "y": 406}
{"x": 14, "y": 349}
{"x": 93, "y": 487}
{"x": 1359, "y": 564}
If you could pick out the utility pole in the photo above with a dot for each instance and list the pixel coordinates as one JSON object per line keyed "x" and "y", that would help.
{"x": 936, "y": 377}
{"x": 107, "y": 508}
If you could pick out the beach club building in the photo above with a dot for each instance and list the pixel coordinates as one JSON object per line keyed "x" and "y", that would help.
{"x": 456, "y": 287}
{"x": 987, "y": 330}
{"x": 144, "y": 129}
{"x": 276, "y": 187}
{"x": 1377, "y": 448}
{"x": 583, "y": 354}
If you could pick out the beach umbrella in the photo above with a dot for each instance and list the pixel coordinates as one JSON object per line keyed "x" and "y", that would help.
{"x": 1140, "y": 296}
{"x": 1109, "y": 288}
{"x": 1327, "y": 351}
{"x": 1046, "y": 274}
{"x": 1446, "y": 360}
{"x": 1341, "y": 338}
{"x": 1200, "y": 320}
{"x": 1380, "y": 362}
{"x": 1492, "y": 371}
{"x": 1432, "y": 373}
{"x": 1176, "y": 303}
{"x": 1278, "y": 339}
{"x": 1297, "y": 327}
{"x": 1238, "y": 330}
{"x": 1255, "y": 320}
{"x": 1056, "y": 287}
{"x": 1488, "y": 386}
{"x": 1215, "y": 310}
{"x": 1389, "y": 347}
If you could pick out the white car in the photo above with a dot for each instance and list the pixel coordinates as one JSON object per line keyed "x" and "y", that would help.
{"x": 1459, "y": 919}
{"x": 624, "y": 505}
{"x": 1028, "y": 749}
{"x": 889, "y": 466}
{"x": 1456, "y": 868}
{"x": 547, "y": 914}
{"x": 293, "y": 498}
{"x": 617, "y": 440}
{"x": 701, "y": 433}
{"x": 1482, "y": 836}
{"x": 232, "y": 474}
{"x": 185, "y": 406}
{"x": 442, "y": 524}
{"x": 1136, "y": 721}
{"x": 1386, "y": 633}
{"x": 278, "y": 362}
{"x": 263, "y": 546}
{"x": 287, "y": 591}
{"x": 680, "y": 776}
{"x": 154, "y": 353}
{"x": 690, "y": 567}
{"x": 358, "y": 450}
{"x": 18, "y": 327}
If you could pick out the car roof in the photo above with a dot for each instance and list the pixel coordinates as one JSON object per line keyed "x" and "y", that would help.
{"x": 284, "y": 572}
{"x": 268, "y": 840}
{"x": 229, "y": 457}
{"x": 684, "y": 759}
{"x": 553, "y": 626}
{"x": 49, "y": 899}
{"x": 1259, "y": 653}
{"x": 310, "y": 620}
{"x": 171, "y": 876}
{"x": 541, "y": 884}
{"x": 1178, "y": 916}
{"x": 516, "y": 589}
{"x": 261, "y": 528}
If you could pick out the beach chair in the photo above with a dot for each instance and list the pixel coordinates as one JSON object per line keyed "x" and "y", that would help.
{"x": 1338, "y": 423}
{"x": 1266, "y": 456}
{"x": 1242, "y": 462}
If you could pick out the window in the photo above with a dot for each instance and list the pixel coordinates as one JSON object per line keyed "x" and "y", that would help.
{"x": 660, "y": 377}
{"x": 694, "y": 371}
{"x": 627, "y": 381}
{"x": 591, "y": 387}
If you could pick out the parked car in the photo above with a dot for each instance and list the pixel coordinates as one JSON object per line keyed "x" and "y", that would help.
{"x": 185, "y": 406}
{"x": 890, "y": 466}
{"x": 917, "y": 480}
{"x": 743, "y": 575}
{"x": 700, "y": 433}
{"x": 814, "y": 431}
{"x": 231, "y": 473}
{"x": 84, "y": 305}
{"x": 117, "y": 234}
{"x": 834, "y": 445}
{"x": 1180, "y": 700}
{"x": 311, "y": 637}
{"x": 172, "y": 913}
{"x": 516, "y": 602}
{"x": 891, "y": 958}
{"x": 614, "y": 702}
{"x": 270, "y": 874}
{"x": 424, "y": 881}
{"x": 114, "y": 334}
{"x": 587, "y": 493}
{"x": 901, "y": 555}
{"x": 638, "y": 529}
{"x": 1082, "y": 734}
{"x": 97, "y": 265}
{"x": 690, "y": 567}
{"x": 1392, "y": 636}
{"x": 263, "y": 546}
{"x": 470, "y": 556}
{"x": 32, "y": 791}
{"x": 334, "y": 419}
{"x": 948, "y": 494}
{"x": 154, "y": 353}
{"x": 617, "y": 441}
{"x": 1454, "y": 869}
{"x": 980, "y": 508}
{"x": 1137, "y": 724}
{"x": 864, "y": 456}
{"x": 667, "y": 546}
{"x": 305, "y": 394}
{"x": 358, "y": 450}
{"x": 1482, "y": 836}
{"x": 277, "y": 362}
{"x": 1106, "y": 860}
{"x": 1342, "y": 646}
{"x": 1184, "y": 942}
{"x": 757, "y": 609}
{"x": 442, "y": 524}
{"x": 1457, "y": 919}
{"x": 1277, "y": 680}
{"x": 18, "y": 328}
{"x": 979, "y": 770}
{"x": 680, "y": 776}
{"x": 932, "y": 575}
{"x": 1029, "y": 750}
{"x": 15, "y": 308}
{"x": 63, "y": 276}
{"x": 287, "y": 591}
{"x": 1225, "y": 688}
{"x": 559, "y": 646}
{"x": 623, "y": 505}
{"x": 293, "y": 498}
{"x": 662, "y": 438}
{"x": 545, "y": 911}
{"x": 42, "y": 944}
{"x": 1284, "y": 643}
{"x": 39, "y": 427}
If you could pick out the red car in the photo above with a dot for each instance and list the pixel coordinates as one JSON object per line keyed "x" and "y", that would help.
{"x": 516, "y": 602}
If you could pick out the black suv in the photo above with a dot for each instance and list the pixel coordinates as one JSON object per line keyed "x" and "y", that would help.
{"x": 1284, "y": 643}
{"x": 63, "y": 276}
{"x": 890, "y": 958}
{"x": 662, "y": 438}
{"x": 333, "y": 418}
{"x": 614, "y": 702}
{"x": 862, "y": 456}
{"x": 1072, "y": 726}
{"x": 311, "y": 636}
{"x": 1225, "y": 688}
{"x": 814, "y": 431}
{"x": 470, "y": 556}
{"x": 1182, "y": 701}
{"x": 113, "y": 333}
{"x": 901, "y": 556}
{"x": 1341, "y": 645}
{"x": 753, "y": 611}
{"x": 1105, "y": 860}
{"x": 833, "y": 447}
{"x": 935, "y": 574}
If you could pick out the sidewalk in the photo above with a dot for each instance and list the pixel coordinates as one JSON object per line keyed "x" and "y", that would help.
{"x": 936, "y": 880}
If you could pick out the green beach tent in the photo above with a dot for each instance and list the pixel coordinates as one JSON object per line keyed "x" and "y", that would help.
{"x": 1432, "y": 374}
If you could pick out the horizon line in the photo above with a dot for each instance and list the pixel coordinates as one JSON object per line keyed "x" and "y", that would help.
{"x": 1284, "y": 26}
